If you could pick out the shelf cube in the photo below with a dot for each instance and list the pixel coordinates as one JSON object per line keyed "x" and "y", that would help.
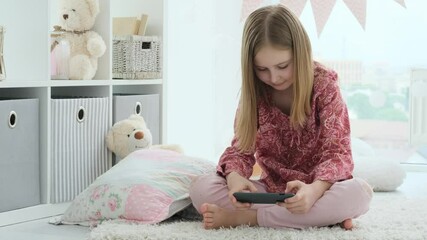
{"x": 79, "y": 153}
{"x": 19, "y": 148}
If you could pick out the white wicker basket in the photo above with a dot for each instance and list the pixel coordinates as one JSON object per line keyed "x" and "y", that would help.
{"x": 2, "y": 68}
{"x": 136, "y": 57}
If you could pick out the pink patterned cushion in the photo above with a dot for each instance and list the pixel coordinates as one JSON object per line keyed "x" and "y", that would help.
{"x": 147, "y": 186}
{"x": 147, "y": 204}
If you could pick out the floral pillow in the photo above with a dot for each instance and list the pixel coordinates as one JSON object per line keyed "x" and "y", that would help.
{"x": 147, "y": 186}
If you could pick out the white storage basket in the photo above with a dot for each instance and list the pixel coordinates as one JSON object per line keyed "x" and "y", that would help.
{"x": 79, "y": 153}
{"x": 136, "y": 57}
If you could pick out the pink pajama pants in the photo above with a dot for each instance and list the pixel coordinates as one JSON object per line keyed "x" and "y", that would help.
{"x": 344, "y": 200}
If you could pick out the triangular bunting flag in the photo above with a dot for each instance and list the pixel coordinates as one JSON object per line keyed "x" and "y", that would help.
{"x": 248, "y": 6}
{"x": 358, "y": 8}
{"x": 401, "y": 2}
{"x": 296, "y": 6}
{"x": 322, "y": 10}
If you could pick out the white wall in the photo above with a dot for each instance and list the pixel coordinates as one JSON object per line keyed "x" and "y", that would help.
{"x": 203, "y": 74}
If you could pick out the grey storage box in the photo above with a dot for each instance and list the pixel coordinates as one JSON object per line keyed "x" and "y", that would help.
{"x": 79, "y": 153}
{"x": 19, "y": 159}
{"x": 148, "y": 106}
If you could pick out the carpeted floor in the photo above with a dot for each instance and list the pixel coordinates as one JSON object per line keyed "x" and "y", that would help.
{"x": 391, "y": 216}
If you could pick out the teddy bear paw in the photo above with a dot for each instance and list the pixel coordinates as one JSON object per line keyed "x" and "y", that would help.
{"x": 81, "y": 68}
{"x": 96, "y": 47}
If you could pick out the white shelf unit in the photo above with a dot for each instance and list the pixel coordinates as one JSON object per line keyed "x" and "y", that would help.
{"x": 27, "y": 65}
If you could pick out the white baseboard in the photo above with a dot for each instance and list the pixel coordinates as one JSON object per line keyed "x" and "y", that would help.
{"x": 32, "y": 213}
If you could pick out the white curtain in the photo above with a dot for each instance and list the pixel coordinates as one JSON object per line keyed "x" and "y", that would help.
{"x": 203, "y": 74}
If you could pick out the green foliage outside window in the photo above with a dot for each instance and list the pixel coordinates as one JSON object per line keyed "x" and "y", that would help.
{"x": 395, "y": 107}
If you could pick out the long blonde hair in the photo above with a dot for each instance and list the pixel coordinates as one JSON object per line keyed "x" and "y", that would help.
{"x": 277, "y": 26}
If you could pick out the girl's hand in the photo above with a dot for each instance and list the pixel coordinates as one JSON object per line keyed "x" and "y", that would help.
{"x": 237, "y": 183}
{"x": 305, "y": 195}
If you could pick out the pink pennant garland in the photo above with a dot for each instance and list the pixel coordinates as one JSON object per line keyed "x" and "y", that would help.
{"x": 248, "y": 6}
{"x": 401, "y": 2}
{"x": 296, "y": 6}
{"x": 322, "y": 10}
{"x": 358, "y": 8}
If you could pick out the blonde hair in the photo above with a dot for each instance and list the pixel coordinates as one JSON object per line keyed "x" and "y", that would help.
{"x": 279, "y": 27}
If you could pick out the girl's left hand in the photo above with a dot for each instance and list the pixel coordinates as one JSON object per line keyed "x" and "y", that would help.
{"x": 305, "y": 196}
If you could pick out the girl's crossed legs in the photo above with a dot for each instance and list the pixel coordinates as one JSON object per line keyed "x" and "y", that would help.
{"x": 343, "y": 201}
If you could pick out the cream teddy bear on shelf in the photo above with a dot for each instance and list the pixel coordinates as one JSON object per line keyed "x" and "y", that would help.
{"x": 132, "y": 134}
{"x": 77, "y": 17}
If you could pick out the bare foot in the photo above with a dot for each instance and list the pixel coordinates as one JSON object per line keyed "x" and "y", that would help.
{"x": 347, "y": 224}
{"x": 215, "y": 217}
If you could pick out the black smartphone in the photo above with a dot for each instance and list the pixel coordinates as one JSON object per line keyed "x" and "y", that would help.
{"x": 263, "y": 198}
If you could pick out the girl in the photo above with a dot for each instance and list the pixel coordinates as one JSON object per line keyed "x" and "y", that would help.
{"x": 293, "y": 122}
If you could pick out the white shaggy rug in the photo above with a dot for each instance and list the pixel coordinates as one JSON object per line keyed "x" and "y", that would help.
{"x": 391, "y": 216}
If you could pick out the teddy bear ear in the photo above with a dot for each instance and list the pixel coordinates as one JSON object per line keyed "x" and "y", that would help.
{"x": 93, "y": 6}
{"x": 109, "y": 139}
{"x": 136, "y": 117}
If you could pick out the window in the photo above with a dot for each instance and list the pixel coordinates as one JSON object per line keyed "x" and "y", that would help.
{"x": 374, "y": 65}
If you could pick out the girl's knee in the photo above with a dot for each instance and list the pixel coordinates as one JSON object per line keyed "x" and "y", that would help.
{"x": 204, "y": 187}
{"x": 353, "y": 192}
{"x": 359, "y": 193}
{"x": 198, "y": 184}
{"x": 365, "y": 187}
{"x": 368, "y": 193}
{"x": 204, "y": 182}
{"x": 355, "y": 186}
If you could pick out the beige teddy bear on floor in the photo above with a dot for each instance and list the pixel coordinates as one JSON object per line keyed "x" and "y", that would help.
{"x": 132, "y": 134}
{"x": 77, "y": 17}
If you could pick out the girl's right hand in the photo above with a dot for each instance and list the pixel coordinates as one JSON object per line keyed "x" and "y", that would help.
{"x": 237, "y": 183}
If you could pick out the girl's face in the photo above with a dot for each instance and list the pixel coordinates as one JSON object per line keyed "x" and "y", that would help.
{"x": 274, "y": 67}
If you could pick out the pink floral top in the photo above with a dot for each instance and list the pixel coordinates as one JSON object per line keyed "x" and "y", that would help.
{"x": 320, "y": 151}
